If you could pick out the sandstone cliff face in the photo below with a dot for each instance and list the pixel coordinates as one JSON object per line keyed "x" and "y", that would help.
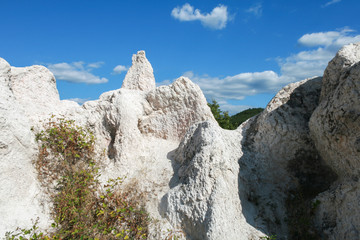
{"x": 208, "y": 182}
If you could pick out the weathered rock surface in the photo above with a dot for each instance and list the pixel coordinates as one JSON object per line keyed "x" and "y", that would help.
{"x": 285, "y": 171}
{"x": 34, "y": 88}
{"x": 335, "y": 125}
{"x": 140, "y": 75}
{"x": 207, "y": 182}
{"x": 172, "y": 109}
{"x": 121, "y": 120}
{"x": 335, "y": 128}
{"x": 20, "y": 193}
{"x": 209, "y": 202}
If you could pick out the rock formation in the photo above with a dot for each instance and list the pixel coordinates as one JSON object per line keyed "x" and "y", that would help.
{"x": 298, "y": 159}
{"x": 140, "y": 75}
{"x": 20, "y": 192}
{"x": 335, "y": 128}
{"x": 209, "y": 202}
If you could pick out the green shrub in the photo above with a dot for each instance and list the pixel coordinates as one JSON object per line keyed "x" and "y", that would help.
{"x": 82, "y": 208}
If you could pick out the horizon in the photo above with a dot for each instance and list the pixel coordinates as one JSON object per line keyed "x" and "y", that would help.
{"x": 239, "y": 53}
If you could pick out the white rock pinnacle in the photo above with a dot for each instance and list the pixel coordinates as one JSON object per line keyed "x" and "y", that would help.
{"x": 140, "y": 75}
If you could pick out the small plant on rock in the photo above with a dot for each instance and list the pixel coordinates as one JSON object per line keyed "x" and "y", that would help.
{"x": 82, "y": 208}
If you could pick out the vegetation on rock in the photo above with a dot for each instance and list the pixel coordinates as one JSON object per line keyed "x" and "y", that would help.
{"x": 82, "y": 208}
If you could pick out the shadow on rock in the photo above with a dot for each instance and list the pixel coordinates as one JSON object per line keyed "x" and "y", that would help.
{"x": 280, "y": 169}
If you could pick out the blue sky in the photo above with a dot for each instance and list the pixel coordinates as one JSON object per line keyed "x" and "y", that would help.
{"x": 239, "y": 52}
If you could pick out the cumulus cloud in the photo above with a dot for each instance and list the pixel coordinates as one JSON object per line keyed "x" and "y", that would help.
{"x": 331, "y": 38}
{"x": 238, "y": 86}
{"x": 256, "y": 10}
{"x": 217, "y": 19}
{"x": 331, "y": 2}
{"x": 313, "y": 62}
{"x": 119, "y": 69}
{"x": 322, "y": 47}
{"x": 76, "y": 72}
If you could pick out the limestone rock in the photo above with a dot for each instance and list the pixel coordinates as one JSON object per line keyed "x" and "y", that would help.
{"x": 20, "y": 194}
{"x": 196, "y": 177}
{"x": 281, "y": 158}
{"x": 207, "y": 202}
{"x": 335, "y": 129}
{"x": 35, "y": 89}
{"x": 140, "y": 75}
{"x": 337, "y": 214}
{"x": 335, "y": 124}
{"x": 113, "y": 118}
{"x": 230, "y": 178}
{"x": 345, "y": 58}
{"x": 172, "y": 109}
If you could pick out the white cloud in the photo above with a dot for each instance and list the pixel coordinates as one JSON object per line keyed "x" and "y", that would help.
{"x": 75, "y": 72}
{"x": 330, "y": 3}
{"x": 238, "y": 86}
{"x": 256, "y": 10}
{"x": 119, "y": 69}
{"x": 232, "y": 109}
{"x": 319, "y": 39}
{"x": 305, "y": 64}
{"x": 95, "y": 65}
{"x": 313, "y": 62}
{"x": 217, "y": 19}
{"x": 80, "y": 101}
{"x": 331, "y": 38}
{"x": 79, "y": 65}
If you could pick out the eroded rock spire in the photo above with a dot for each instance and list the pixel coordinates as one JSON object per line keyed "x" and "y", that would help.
{"x": 140, "y": 75}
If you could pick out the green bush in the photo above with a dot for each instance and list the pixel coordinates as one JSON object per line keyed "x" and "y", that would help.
{"x": 82, "y": 208}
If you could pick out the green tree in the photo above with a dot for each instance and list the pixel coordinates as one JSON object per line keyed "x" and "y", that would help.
{"x": 241, "y": 117}
{"x": 221, "y": 117}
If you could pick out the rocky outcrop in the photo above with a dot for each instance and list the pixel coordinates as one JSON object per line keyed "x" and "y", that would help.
{"x": 172, "y": 109}
{"x": 335, "y": 129}
{"x": 209, "y": 202}
{"x": 133, "y": 125}
{"x": 286, "y": 171}
{"x": 248, "y": 177}
{"x": 20, "y": 193}
{"x": 292, "y": 171}
{"x": 335, "y": 125}
{"x": 140, "y": 75}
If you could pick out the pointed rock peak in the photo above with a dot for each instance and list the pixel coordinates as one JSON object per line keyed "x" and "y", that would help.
{"x": 4, "y": 66}
{"x": 139, "y": 57}
{"x": 140, "y": 75}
